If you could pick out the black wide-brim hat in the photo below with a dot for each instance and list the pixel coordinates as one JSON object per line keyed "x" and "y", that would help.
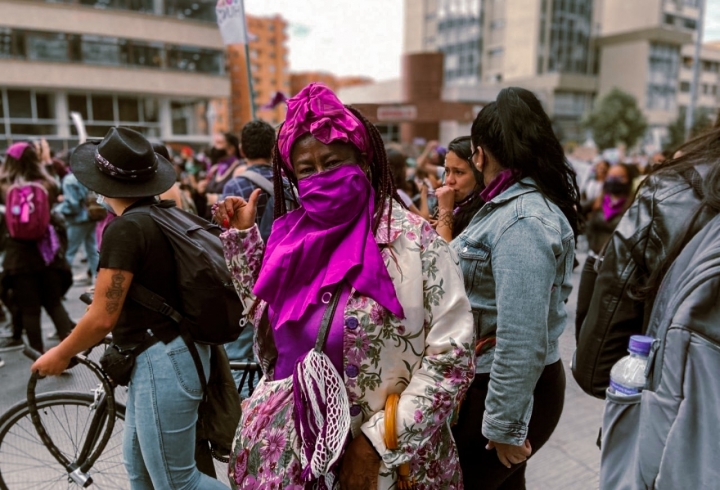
{"x": 122, "y": 165}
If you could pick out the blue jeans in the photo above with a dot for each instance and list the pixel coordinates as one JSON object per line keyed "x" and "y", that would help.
{"x": 83, "y": 234}
{"x": 162, "y": 411}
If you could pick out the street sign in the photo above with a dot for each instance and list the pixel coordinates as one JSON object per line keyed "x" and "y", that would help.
{"x": 396, "y": 113}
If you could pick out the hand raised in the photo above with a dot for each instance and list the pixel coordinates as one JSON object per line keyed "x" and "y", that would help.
{"x": 235, "y": 212}
{"x": 446, "y": 198}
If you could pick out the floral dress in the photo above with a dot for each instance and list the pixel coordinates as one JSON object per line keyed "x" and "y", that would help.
{"x": 428, "y": 358}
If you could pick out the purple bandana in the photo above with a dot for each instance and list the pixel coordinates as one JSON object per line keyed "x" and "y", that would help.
{"x": 499, "y": 184}
{"x": 318, "y": 111}
{"x": 49, "y": 245}
{"x": 325, "y": 241}
{"x": 612, "y": 209}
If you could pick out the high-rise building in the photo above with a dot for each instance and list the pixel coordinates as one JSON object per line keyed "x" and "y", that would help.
{"x": 268, "y": 64}
{"x": 543, "y": 45}
{"x": 569, "y": 51}
{"x": 153, "y": 65}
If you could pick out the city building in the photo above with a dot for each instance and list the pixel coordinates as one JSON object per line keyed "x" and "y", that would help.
{"x": 300, "y": 80}
{"x": 153, "y": 65}
{"x": 268, "y": 64}
{"x": 569, "y": 52}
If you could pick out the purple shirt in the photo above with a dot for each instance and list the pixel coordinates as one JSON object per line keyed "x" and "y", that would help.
{"x": 294, "y": 339}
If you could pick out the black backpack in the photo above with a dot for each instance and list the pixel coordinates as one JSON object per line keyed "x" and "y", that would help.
{"x": 268, "y": 216}
{"x": 211, "y": 309}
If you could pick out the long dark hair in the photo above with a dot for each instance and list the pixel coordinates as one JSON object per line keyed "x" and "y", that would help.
{"x": 380, "y": 175}
{"x": 462, "y": 148}
{"x": 700, "y": 150}
{"x": 27, "y": 168}
{"x": 518, "y": 133}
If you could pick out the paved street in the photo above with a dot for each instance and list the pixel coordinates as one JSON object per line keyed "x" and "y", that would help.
{"x": 569, "y": 461}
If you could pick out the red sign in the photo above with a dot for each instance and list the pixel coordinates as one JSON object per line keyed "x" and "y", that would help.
{"x": 397, "y": 113}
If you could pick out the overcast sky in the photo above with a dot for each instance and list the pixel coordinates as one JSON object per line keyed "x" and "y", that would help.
{"x": 363, "y": 37}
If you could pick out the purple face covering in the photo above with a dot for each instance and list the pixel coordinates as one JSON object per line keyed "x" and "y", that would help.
{"x": 16, "y": 149}
{"x": 318, "y": 111}
{"x": 325, "y": 241}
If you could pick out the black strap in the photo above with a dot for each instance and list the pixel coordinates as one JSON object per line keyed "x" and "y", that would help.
{"x": 151, "y": 301}
{"x": 327, "y": 319}
{"x": 155, "y": 302}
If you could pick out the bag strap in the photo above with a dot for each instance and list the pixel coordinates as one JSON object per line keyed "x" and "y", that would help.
{"x": 328, "y": 318}
{"x": 259, "y": 181}
{"x": 155, "y": 302}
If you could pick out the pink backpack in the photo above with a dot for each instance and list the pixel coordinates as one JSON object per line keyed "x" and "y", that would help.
{"x": 27, "y": 211}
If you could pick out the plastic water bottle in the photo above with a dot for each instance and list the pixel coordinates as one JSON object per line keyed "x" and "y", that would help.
{"x": 627, "y": 376}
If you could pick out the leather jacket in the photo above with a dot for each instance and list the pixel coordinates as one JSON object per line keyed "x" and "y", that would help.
{"x": 664, "y": 206}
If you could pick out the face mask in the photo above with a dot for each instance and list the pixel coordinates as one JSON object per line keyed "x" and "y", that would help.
{"x": 616, "y": 187}
{"x": 217, "y": 154}
{"x": 335, "y": 196}
{"x": 102, "y": 202}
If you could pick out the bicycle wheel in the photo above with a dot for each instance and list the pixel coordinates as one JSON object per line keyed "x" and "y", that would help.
{"x": 25, "y": 462}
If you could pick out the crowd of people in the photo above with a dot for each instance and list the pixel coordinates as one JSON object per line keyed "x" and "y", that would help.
{"x": 405, "y": 306}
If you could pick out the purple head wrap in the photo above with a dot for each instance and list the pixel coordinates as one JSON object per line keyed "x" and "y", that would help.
{"x": 16, "y": 149}
{"x": 318, "y": 111}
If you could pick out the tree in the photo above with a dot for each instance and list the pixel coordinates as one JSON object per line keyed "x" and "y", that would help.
{"x": 702, "y": 121}
{"x": 616, "y": 118}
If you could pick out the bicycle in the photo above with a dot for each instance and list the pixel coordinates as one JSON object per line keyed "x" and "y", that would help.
{"x": 70, "y": 438}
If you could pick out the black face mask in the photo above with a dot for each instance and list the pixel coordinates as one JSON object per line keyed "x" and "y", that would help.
{"x": 616, "y": 187}
{"x": 217, "y": 154}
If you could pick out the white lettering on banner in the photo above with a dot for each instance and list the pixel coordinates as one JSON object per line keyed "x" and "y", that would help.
{"x": 397, "y": 113}
{"x": 231, "y": 21}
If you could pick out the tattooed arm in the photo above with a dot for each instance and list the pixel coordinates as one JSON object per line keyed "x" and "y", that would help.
{"x": 110, "y": 291}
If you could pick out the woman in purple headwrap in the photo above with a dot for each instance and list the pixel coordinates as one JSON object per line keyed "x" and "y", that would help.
{"x": 403, "y": 324}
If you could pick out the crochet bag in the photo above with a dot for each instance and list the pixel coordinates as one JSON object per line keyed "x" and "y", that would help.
{"x": 292, "y": 431}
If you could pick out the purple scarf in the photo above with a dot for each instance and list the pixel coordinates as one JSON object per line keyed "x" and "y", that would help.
{"x": 325, "y": 241}
{"x": 612, "y": 209}
{"x": 223, "y": 164}
{"x": 499, "y": 184}
{"x": 49, "y": 245}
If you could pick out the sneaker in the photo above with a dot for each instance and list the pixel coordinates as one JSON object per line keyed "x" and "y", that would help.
{"x": 2, "y": 363}
{"x": 8, "y": 344}
{"x": 52, "y": 336}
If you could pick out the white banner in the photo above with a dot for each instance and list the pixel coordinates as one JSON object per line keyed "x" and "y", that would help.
{"x": 231, "y": 21}
{"x": 77, "y": 120}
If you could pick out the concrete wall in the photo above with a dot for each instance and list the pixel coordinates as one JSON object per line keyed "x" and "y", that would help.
{"x": 62, "y": 76}
{"x": 625, "y": 66}
{"x": 522, "y": 34}
{"x": 115, "y": 23}
{"x": 628, "y": 15}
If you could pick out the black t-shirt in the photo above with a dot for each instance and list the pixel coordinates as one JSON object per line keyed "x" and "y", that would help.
{"x": 135, "y": 243}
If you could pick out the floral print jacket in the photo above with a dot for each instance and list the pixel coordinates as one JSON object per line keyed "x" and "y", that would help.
{"x": 428, "y": 357}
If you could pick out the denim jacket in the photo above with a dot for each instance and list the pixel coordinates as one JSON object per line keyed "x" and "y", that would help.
{"x": 517, "y": 257}
{"x": 73, "y": 206}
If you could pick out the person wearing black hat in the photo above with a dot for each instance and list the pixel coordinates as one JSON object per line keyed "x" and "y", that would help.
{"x": 165, "y": 390}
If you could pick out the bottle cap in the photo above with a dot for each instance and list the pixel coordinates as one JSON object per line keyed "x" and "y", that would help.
{"x": 640, "y": 344}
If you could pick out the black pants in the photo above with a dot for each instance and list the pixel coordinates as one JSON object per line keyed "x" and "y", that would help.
{"x": 30, "y": 293}
{"x": 482, "y": 468}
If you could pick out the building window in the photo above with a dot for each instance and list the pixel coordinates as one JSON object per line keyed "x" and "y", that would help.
{"x": 684, "y": 86}
{"x": 29, "y": 113}
{"x": 570, "y": 24}
{"x": 189, "y": 117}
{"x": 46, "y": 46}
{"x": 138, "y": 113}
{"x": 662, "y": 76}
{"x": 103, "y": 50}
{"x": 190, "y": 9}
{"x": 193, "y": 59}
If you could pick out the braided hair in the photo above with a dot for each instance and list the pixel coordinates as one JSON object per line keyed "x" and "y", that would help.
{"x": 380, "y": 175}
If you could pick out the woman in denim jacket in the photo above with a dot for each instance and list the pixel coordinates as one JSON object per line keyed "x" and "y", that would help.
{"x": 517, "y": 258}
